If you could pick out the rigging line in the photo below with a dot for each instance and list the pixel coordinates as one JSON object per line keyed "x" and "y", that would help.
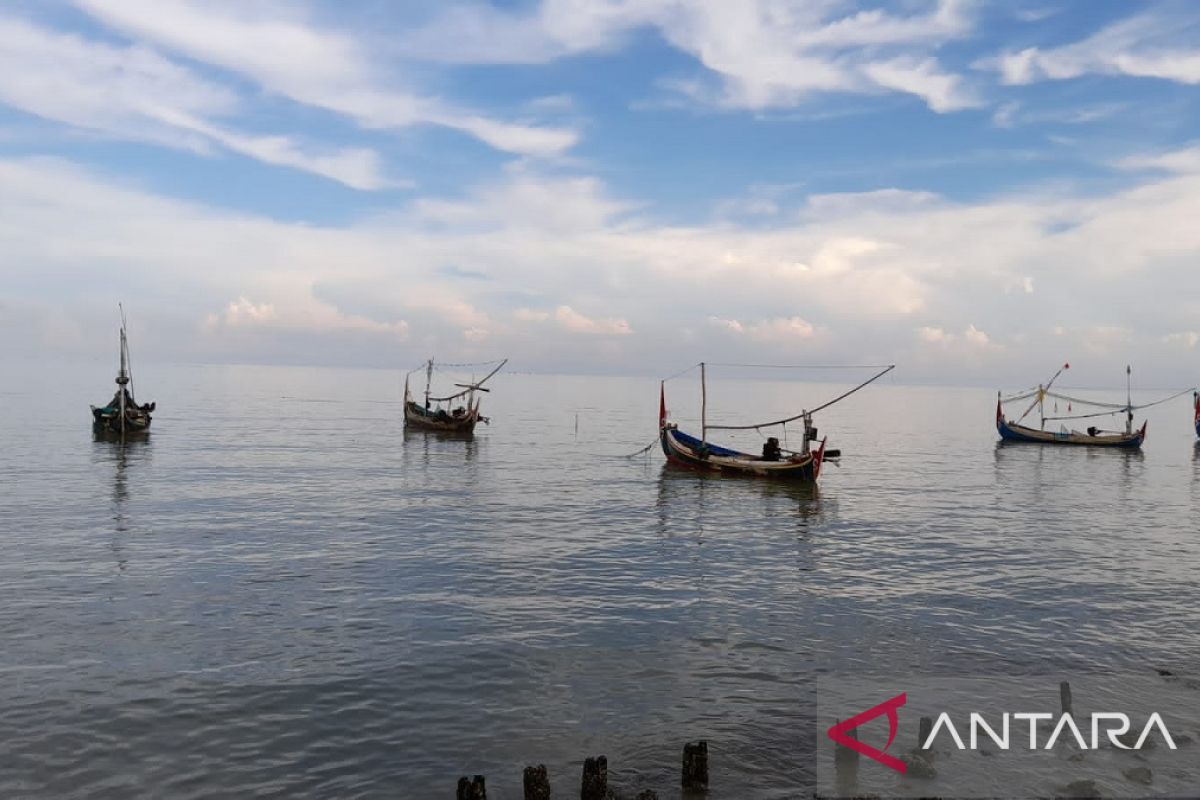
{"x": 1119, "y": 409}
{"x": 1096, "y": 403}
{"x": 800, "y": 366}
{"x": 837, "y": 399}
{"x": 1112, "y": 413}
{"x": 1165, "y": 399}
{"x": 476, "y": 386}
{"x": 681, "y": 372}
{"x": 1014, "y": 398}
{"x": 643, "y": 450}
{"x": 474, "y": 364}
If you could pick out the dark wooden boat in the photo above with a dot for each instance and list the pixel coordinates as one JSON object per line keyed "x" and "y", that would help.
{"x": 1011, "y": 431}
{"x": 688, "y": 451}
{"x": 456, "y": 413}
{"x": 697, "y": 453}
{"x": 122, "y": 416}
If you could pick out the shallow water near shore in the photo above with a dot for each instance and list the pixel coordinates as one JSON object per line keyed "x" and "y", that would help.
{"x": 282, "y": 591}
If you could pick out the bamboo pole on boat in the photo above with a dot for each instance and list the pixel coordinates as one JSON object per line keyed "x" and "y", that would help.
{"x": 703, "y": 407}
{"x": 122, "y": 380}
{"x": 1041, "y": 396}
{"x": 1128, "y": 400}
{"x": 428, "y": 380}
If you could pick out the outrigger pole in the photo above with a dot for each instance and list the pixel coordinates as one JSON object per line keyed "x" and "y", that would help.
{"x": 1041, "y": 396}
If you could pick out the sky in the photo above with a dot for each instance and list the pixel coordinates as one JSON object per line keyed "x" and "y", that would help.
{"x": 976, "y": 191}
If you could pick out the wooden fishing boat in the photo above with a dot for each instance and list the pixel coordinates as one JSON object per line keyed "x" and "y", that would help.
{"x": 774, "y": 462}
{"x": 1010, "y": 431}
{"x": 444, "y": 414}
{"x": 122, "y": 416}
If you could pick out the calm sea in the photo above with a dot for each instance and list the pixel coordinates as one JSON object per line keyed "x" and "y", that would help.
{"x": 282, "y": 592}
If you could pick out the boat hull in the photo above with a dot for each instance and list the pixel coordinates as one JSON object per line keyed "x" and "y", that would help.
{"x": 1011, "y": 432}
{"x": 107, "y": 422}
{"x": 688, "y": 451}
{"x": 420, "y": 418}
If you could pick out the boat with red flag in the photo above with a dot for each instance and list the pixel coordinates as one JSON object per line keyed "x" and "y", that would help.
{"x": 774, "y": 461}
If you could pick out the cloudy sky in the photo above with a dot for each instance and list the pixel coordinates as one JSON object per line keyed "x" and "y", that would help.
{"x": 976, "y": 190}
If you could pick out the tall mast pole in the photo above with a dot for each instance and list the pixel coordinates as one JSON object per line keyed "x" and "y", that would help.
{"x": 122, "y": 380}
{"x": 428, "y": 380}
{"x": 1128, "y": 399}
{"x": 703, "y": 407}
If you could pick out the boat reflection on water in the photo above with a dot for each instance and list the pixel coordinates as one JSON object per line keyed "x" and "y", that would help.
{"x": 431, "y": 450}
{"x": 696, "y": 503}
{"x": 123, "y": 458}
{"x": 1046, "y": 465}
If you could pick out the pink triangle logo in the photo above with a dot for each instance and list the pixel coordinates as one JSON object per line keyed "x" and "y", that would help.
{"x": 838, "y": 732}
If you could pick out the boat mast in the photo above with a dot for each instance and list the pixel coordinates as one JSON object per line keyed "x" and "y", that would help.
{"x": 1128, "y": 400}
{"x": 428, "y": 380}
{"x": 703, "y": 407}
{"x": 123, "y": 375}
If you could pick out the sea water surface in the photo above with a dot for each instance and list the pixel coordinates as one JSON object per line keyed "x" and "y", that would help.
{"x": 281, "y": 592}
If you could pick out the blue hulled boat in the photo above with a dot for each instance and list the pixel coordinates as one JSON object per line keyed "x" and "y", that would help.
{"x": 685, "y": 450}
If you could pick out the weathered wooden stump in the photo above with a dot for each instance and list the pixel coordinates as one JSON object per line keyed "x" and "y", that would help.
{"x": 695, "y": 766}
{"x": 924, "y": 732}
{"x": 471, "y": 788}
{"x": 845, "y": 759}
{"x": 1064, "y": 694}
{"x": 595, "y": 779}
{"x": 537, "y": 783}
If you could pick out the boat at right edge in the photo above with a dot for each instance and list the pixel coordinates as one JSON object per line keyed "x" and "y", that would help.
{"x": 1013, "y": 431}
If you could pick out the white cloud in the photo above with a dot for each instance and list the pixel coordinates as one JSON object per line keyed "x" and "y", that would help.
{"x": 571, "y": 320}
{"x": 312, "y": 64}
{"x": 244, "y": 312}
{"x": 1188, "y": 339}
{"x": 1183, "y": 161}
{"x": 970, "y": 340}
{"x": 941, "y": 91}
{"x": 131, "y": 92}
{"x": 1148, "y": 45}
{"x": 765, "y": 53}
{"x": 777, "y": 330}
{"x": 850, "y": 276}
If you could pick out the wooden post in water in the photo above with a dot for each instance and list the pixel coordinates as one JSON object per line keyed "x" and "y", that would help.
{"x": 537, "y": 783}
{"x": 924, "y": 732}
{"x": 595, "y": 779}
{"x": 1064, "y": 695}
{"x": 695, "y": 766}
{"x": 471, "y": 788}
{"x": 845, "y": 760}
